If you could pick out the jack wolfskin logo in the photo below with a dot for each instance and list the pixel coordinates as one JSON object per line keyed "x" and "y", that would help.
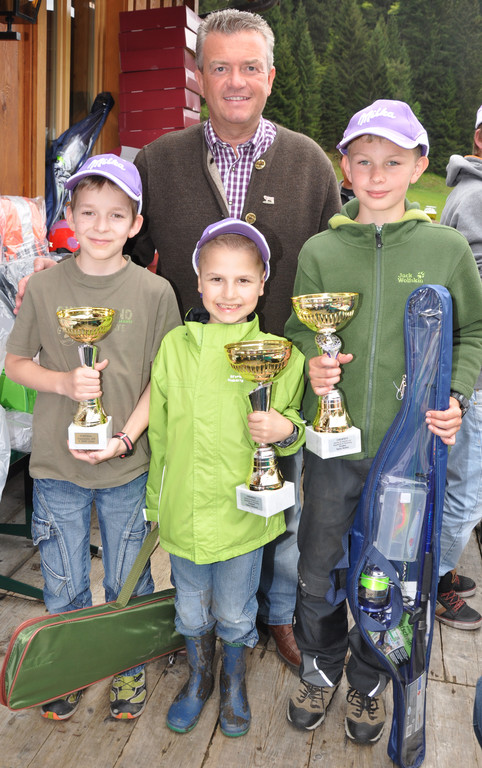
{"x": 409, "y": 277}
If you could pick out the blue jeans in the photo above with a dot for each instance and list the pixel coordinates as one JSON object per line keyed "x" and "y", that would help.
{"x": 220, "y": 595}
{"x": 279, "y": 572}
{"x": 61, "y": 530}
{"x": 463, "y": 491}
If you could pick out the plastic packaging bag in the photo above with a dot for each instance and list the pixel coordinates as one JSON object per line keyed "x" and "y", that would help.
{"x": 4, "y": 450}
{"x": 19, "y": 427}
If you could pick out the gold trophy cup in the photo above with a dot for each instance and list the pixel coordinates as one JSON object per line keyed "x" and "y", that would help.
{"x": 332, "y": 432}
{"x": 91, "y": 428}
{"x": 260, "y": 361}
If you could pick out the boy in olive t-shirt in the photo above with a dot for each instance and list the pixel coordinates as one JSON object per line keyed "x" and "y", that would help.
{"x": 106, "y": 199}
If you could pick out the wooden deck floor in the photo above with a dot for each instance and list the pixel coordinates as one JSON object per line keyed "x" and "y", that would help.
{"x": 93, "y": 739}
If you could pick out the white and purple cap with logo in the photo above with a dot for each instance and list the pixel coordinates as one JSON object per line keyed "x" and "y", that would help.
{"x": 389, "y": 119}
{"x": 478, "y": 120}
{"x": 233, "y": 227}
{"x": 116, "y": 169}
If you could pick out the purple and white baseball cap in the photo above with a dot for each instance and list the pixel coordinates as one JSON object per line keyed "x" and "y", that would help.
{"x": 478, "y": 120}
{"x": 116, "y": 169}
{"x": 233, "y": 227}
{"x": 392, "y": 120}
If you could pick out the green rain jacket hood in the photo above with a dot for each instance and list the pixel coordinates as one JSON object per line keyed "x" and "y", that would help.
{"x": 201, "y": 446}
{"x": 384, "y": 265}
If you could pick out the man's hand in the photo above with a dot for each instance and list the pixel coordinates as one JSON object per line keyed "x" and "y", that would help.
{"x": 447, "y": 423}
{"x": 39, "y": 264}
{"x": 325, "y": 372}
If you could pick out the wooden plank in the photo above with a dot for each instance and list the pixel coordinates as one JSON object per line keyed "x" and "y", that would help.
{"x": 462, "y": 649}
{"x": 271, "y": 741}
{"x": 450, "y": 736}
{"x": 92, "y": 737}
{"x": 153, "y": 739}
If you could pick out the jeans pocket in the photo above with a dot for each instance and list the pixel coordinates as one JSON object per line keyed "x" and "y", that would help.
{"x": 40, "y": 530}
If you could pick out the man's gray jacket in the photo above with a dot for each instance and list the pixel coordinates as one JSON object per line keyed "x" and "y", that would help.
{"x": 292, "y": 194}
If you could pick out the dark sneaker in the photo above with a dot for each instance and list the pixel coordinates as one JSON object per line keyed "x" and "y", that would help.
{"x": 62, "y": 709}
{"x": 307, "y": 707}
{"x": 463, "y": 585}
{"x": 454, "y": 611}
{"x": 365, "y": 717}
{"x": 128, "y": 696}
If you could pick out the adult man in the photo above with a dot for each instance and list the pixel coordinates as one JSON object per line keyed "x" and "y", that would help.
{"x": 463, "y": 495}
{"x": 238, "y": 164}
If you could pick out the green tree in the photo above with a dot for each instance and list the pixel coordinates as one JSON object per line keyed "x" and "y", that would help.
{"x": 399, "y": 72}
{"x": 309, "y": 72}
{"x": 284, "y": 104}
{"x": 378, "y": 83}
{"x": 344, "y": 83}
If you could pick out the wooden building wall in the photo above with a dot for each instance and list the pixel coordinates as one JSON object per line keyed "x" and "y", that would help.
{"x": 23, "y": 89}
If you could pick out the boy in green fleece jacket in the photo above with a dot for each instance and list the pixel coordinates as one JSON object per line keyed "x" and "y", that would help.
{"x": 381, "y": 247}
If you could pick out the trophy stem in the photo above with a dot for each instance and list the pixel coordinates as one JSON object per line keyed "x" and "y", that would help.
{"x": 265, "y": 475}
{"x": 90, "y": 413}
{"x": 331, "y": 415}
{"x": 260, "y": 398}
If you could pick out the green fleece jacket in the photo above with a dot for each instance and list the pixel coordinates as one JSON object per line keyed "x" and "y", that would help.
{"x": 201, "y": 446}
{"x": 384, "y": 265}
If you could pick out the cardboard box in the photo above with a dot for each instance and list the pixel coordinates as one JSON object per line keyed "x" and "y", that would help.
{"x": 177, "y": 117}
{"x": 163, "y": 99}
{"x": 139, "y": 139}
{"x": 156, "y": 80}
{"x": 174, "y": 37}
{"x": 138, "y": 61}
{"x": 158, "y": 18}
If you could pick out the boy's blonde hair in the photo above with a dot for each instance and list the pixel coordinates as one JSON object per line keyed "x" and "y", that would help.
{"x": 97, "y": 183}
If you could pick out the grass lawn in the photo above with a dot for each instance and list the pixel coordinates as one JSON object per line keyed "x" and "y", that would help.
{"x": 430, "y": 189}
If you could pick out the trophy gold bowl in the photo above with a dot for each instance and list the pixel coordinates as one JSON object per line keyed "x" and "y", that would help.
{"x": 326, "y": 313}
{"x": 91, "y": 427}
{"x": 260, "y": 361}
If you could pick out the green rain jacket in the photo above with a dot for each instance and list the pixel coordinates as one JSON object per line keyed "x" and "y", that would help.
{"x": 201, "y": 446}
{"x": 384, "y": 265}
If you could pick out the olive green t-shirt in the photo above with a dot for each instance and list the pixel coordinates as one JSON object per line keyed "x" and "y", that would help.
{"x": 146, "y": 309}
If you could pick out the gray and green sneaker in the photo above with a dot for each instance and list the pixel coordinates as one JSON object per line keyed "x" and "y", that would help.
{"x": 62, "y": 709}
{"x": 128, "y": 696}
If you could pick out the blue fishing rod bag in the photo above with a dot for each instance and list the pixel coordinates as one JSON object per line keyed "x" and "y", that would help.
{"x": 394, "y": 542}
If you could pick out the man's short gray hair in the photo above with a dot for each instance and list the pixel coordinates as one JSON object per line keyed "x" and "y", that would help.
{"x": 230, "y": 21}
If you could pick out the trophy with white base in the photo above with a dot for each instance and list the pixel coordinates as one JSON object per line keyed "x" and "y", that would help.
{"x": 265, "y": 492}
{"x": 332, "y": 433}
{"x": 91, "y": 428}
